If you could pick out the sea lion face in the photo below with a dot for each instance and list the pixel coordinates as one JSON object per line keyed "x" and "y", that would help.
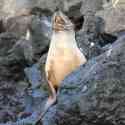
{"x": 61, "y": 22}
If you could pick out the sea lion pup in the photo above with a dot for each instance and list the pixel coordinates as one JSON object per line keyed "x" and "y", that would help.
{"x": 64, "y": 55}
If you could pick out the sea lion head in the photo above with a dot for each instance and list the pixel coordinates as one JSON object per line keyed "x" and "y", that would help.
{"x": 61, "y": 22}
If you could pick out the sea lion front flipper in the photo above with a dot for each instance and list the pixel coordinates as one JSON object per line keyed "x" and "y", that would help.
{"x": 51, "y": 79}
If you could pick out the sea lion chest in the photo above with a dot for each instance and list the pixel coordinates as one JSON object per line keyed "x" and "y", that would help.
{"x": 63, "y": 57}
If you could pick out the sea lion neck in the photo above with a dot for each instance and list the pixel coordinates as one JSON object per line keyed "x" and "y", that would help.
{"x": 63, "y": 39}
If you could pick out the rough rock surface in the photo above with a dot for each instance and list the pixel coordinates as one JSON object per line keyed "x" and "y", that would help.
{"x": 11, "y": 71}
{"x": 40, "y": 34}
{"x": 93, "y": 94}
{"x": 15, "y": 55}
{"x": 93, "y": 36}
{"x": 18, "y": 23}
{"x": 35, "y": 27}
{"x": 114, "y": 18}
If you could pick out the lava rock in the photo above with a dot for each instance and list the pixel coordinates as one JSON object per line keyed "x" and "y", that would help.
{"x": 89, "y": 38}
{"x": 18, "y": 23}
{"x": 114, "y": 18}
{"x": 41, "y": 30}
{"x": 91, "y": 6}
{"x": 14, "y": 56}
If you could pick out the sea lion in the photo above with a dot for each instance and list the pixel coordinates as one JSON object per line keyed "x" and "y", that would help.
{"x": 64, "y": 56}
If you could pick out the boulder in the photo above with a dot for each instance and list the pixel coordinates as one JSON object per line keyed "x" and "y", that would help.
{"x": 33, "y": 28}
{"x": 93, "y": 37}
{"x": 11, "y": 101}
{"x": 114, "y": 18}
{"x": 18, "y": 23}
{"x": 41, "y": 30}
